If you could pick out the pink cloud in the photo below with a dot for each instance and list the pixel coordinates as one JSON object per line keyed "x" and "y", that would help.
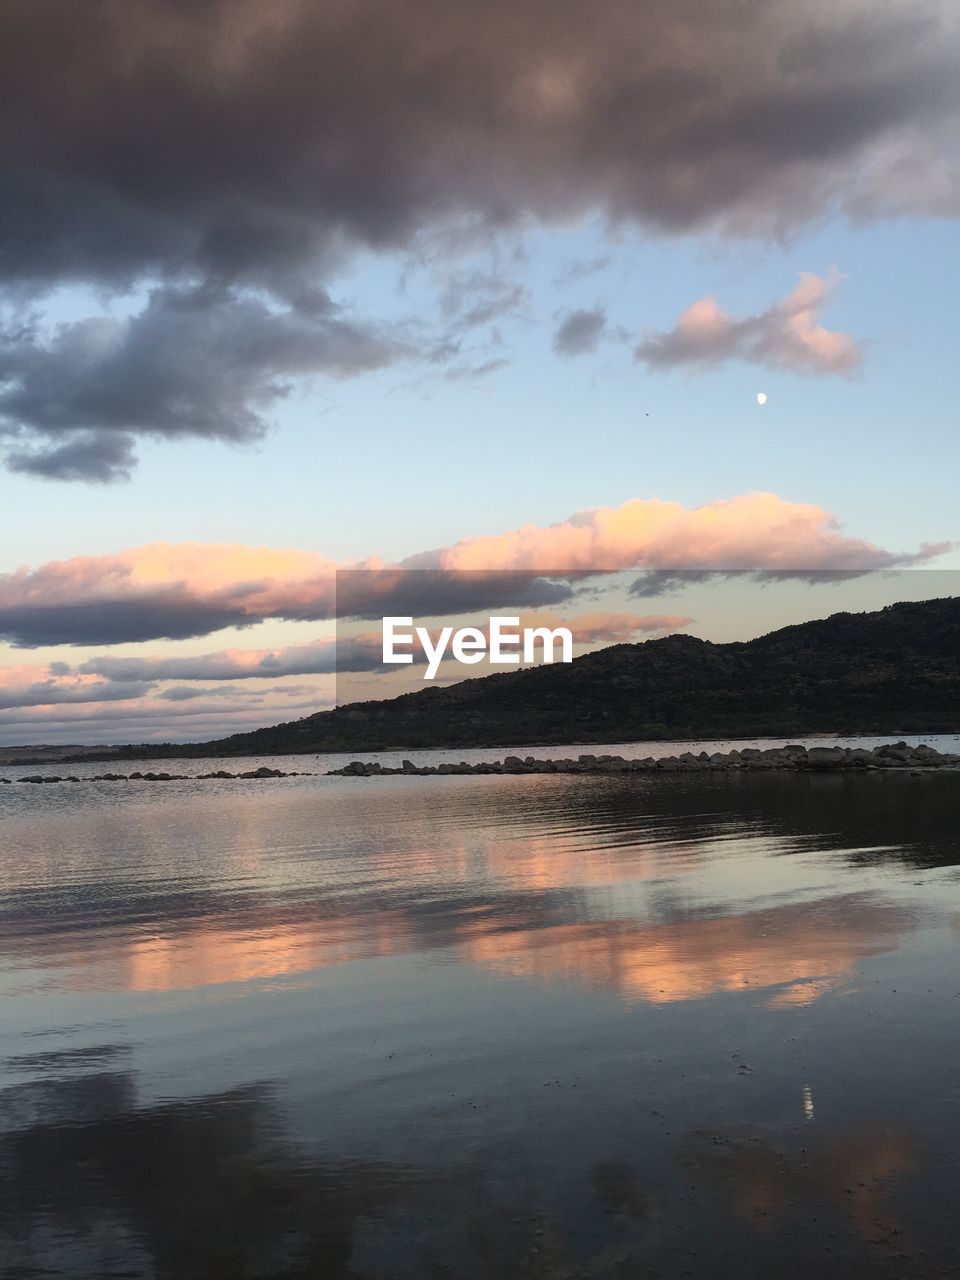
{"x": 788, "y": 335}
{"x": 758, "y": 531}
{"x": 133, "y": 680}
{"x": 33, "y": 685}
{"x": 191, "y": 589}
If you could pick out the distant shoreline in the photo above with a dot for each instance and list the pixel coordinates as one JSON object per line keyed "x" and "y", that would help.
{"x": 823, "y": 750}
{"x": 78, "y": 754}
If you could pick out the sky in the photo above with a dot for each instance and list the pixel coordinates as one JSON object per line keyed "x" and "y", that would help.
{"x": 297, "y": 288}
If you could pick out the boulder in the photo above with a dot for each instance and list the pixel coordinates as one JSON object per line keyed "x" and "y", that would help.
{"x": 898, "y": 753}
{"x": 826, "y": 757}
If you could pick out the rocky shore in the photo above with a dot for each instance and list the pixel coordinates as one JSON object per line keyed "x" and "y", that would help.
{"x": 136, "y": 776}
{"x": 897, "y": 755}
{"x": 796, "y": 757}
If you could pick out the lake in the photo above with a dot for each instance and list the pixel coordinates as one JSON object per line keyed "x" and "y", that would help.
{"x": 475, "y": 1026}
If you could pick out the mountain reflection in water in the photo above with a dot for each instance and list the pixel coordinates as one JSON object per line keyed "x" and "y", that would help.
{"x": 511, "y": 1026}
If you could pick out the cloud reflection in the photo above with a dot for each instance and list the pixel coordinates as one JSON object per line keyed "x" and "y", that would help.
{"x": 854, "y": 1171}
{"x": 804, "y": 948}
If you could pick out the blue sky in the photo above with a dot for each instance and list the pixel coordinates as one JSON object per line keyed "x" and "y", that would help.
{"x": 454, "y": 458}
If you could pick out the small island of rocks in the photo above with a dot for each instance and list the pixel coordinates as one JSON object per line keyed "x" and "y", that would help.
{"x": 896, "y": 755}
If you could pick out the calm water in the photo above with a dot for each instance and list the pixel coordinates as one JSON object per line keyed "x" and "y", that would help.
{"x": 480, "y": 1027}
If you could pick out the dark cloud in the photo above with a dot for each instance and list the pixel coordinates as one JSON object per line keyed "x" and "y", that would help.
{"x": 94, "y": 456}
{"x": 815, "y": 577}
{"x": 346, "y": 652}
{"x": 581, "y": 268}
{"x": 475, "y": 298}
{"x": 187, "y": 693}
{"x": 54, "y": 693}
{"x": 215, "y": 150}
{"x": 661, "y": 582}
{"x": 195, "y": 361}
{"x": 470, "y": 305}
{"x": 168, "y": 615}
{"x": 288, "y": 127}
{"x": 476, "y": 372}
{"x": 179, "y": 610}
{"x": 420, "y": 591}
{"x": 579, "y": 332}
{"x": 184, "y": 693}
{"x": 318, "y": 657}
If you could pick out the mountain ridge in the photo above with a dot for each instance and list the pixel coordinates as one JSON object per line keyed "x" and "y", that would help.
{"x": 894, "y": 670}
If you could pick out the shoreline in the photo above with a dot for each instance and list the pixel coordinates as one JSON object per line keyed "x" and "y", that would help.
{"x": 795, "y": 757}
{"x": 34, "y": 757}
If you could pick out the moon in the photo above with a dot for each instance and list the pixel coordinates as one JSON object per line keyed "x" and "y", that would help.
{"x": 761, "y": 397}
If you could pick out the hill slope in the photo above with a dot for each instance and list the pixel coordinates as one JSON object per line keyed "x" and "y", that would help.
{"x": 896, "y": 670}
